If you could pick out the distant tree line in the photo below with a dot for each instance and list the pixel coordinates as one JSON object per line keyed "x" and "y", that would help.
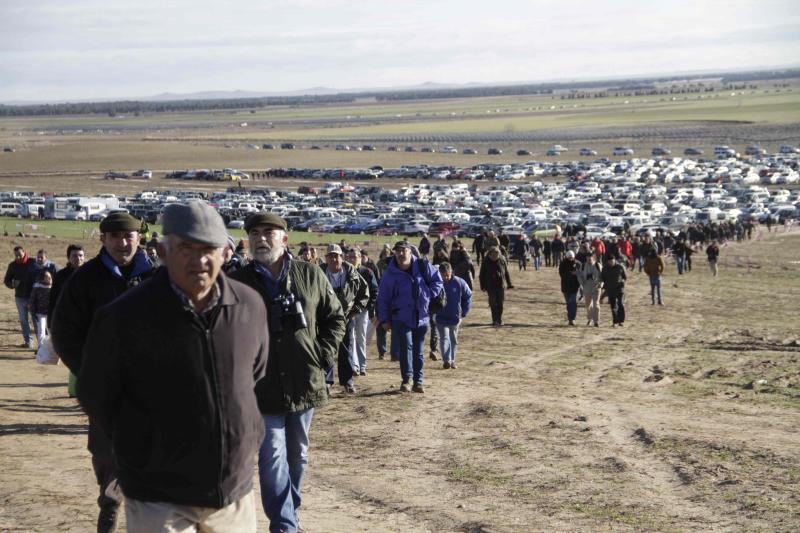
{"x": 601, "y": 88}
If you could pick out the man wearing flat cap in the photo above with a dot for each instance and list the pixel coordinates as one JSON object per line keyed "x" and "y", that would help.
{"x": 306, "y": 325}
{"x": 169, "y": 374}
{"x": 120, "y": 265}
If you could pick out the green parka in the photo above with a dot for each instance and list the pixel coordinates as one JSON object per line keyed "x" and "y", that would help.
{"x": 298, "y": 359}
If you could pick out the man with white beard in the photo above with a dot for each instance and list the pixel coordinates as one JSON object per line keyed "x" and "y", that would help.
{"x": 306, "y": 325}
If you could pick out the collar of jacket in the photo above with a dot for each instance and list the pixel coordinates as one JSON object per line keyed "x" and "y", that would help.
{"x": 227, "y": 291}
{"x": 141, "y": 264}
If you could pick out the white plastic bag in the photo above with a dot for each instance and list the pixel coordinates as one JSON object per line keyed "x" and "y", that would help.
{"x": 46, "y": 354}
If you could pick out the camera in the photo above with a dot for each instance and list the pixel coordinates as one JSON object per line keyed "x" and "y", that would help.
{"x": 288, "y": 308}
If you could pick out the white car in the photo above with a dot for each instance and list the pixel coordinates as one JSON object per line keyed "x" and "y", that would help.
{"x": 236, "y": 224}
{"x": 788, "y": 149}
{"x": 622, "y": 151}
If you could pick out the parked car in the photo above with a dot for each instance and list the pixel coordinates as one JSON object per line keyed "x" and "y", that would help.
{"x": 622, "y": 151}
{"x": 494, "y": 151}
{"x": 523, "y": 151}
{"x": 586, "y": 152}
{"x": 660, "y": 151}
{"x": 693, "y": 151}
{"x": 287, "y": 146}
{"x": 469, "y": 151}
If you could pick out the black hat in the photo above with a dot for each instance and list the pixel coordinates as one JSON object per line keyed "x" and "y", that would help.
{"x": 120, "y": 221}
{"x": 195, "y": 221}
{"x": 401, "y": 244}
{"x": 264, "y": 219}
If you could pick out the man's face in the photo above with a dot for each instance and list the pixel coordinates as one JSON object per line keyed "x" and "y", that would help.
{"x": 494, "y": 255}
{"x": 152, "y": 253}
{"x": 353, "y": 258}
{"x": 334, "y": 262}
{"x": 19, "y": 254}
{"x": 41, "y": 257}
{"x": 305, "y": 255}
{"x": 76, "y": 258}
{"x": 192, "y": 266}
{"x": 447, "y": 275}
{"x": 267, "y": 244}
{"x": 403, "y": 256}
{"x": 121, "y": 245}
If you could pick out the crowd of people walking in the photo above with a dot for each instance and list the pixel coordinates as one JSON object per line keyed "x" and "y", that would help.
{"x": 196, "y": 356}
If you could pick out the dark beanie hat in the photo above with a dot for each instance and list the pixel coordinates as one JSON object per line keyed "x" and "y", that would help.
{"x": 264, "y": 219}
{"x": 120, "y": 221}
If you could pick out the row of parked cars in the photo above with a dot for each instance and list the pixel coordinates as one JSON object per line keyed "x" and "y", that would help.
{"x": 605, "y": 197}
{"x": 721, "y": 152}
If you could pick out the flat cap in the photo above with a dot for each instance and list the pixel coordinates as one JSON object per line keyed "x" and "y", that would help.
{"x": 333, "y": 249}
{"x": 264, "y": 219}
{"x": 120, "y": 221}
{"x": 195, "y": 221}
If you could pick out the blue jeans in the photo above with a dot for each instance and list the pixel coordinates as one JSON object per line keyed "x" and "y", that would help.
{"x": 24, "y": 320}
{"x": 537, "y": 262}
{"x": 358, "y": 341}
{"x": 572, "y": 305}
{"x": 655, "y": 289}
{"x": 282, "y": 461}
{"x": 680, "y": 260}
{"x": 410, "y": 343}
{"x": 448, "y": 341}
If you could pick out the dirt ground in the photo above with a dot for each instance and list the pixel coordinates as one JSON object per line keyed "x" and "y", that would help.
{"x": 686, "y": 419}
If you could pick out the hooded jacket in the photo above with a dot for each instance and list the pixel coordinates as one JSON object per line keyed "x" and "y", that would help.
{"x": 354, "y": 295}
{"x": 589, "y": 277}
{"x": 459, "y": 302}
{"x": 404, "y": 296}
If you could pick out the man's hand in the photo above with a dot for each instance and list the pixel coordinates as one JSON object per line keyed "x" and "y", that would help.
{"x": 15, "y": 283}
{"x": 387, "y": 326}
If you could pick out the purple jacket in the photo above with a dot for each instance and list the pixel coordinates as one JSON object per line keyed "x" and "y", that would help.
{"x": 404, "y": 296}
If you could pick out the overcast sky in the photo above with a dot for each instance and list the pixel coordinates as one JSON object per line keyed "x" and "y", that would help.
{"x": 58, "y": 50}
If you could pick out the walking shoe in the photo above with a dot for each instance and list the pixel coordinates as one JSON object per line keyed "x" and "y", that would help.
{"x": 499, "y": 322}
{"x": 589, "y": 322}
{"x": 446, "y": 365}
{"x": 405, "y": 387}
{"x": 620, "y": 324}
{"x": 349, "y": 389}
{"x": 453, "y": 365}
{"x": 418, "y": 388}
{"x": 495, "y": 323}
{"x": 596, "y": 325}
{"x": 433, "y": 357}
{"x": 363, "y": 372}
{"x": 571, "y": 322}
{"x": 381, "y": 356}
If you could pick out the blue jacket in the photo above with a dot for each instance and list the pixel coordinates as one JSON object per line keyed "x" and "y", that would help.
{"x": 459, "y": 301}
{"x": 404, "y": 296}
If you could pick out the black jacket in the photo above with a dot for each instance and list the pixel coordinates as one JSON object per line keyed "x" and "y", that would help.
{"x": 494, "y": 275}
{"x": 90, "y": 287}
{"x": 20, "y": 272}
{"x": 299, "y": 358}
{"x": 568, "y": 270}
{"x": 614, "y": 280}
{"x": 174, "y": 390}
{"x": 59, "y": 281}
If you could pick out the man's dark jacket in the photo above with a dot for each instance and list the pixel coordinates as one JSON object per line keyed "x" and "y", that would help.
{"x": 20, "y": 272}
{"x": 174, "y": 390}
{"x": 494, "y": 275}
{"x": 568, "y": 271}
{"x": 614, "y": 279}
{"x": 59, "y": 282}
{"x": 295, "y": 378}
{"x": 354, "y": 296}
{"x": 91, "y": 287}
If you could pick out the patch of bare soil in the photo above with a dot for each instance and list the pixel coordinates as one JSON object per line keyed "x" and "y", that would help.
{"x": 686, "y": 419}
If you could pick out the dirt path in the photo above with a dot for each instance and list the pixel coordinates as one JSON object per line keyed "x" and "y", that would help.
{"x": 685, "y": 420}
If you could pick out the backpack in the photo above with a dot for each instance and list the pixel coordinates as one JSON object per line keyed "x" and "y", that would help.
{"x": 437, "y": 302}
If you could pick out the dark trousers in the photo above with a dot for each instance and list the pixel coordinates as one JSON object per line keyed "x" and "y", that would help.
{"x": 434, "y": 335}
{"x": 617, "y": 308}
{"x": 547, "y": 262}
{"x": 479, "y": 255}
{"x": 380, "y": 339}
{"x": 496, "y": 299}
{"x": 105, "y": 471}
{"x": 343, "y": 359}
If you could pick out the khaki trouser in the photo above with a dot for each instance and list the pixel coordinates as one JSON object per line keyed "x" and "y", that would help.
{"x": 158, "y": 517}
{"x": 591, "y": 300}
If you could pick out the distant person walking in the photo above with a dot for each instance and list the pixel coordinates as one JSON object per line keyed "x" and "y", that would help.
{"x": 494, "y": 280}
{"x": 568, "y": 271}
{"x": 654, "y": 268}
{"x": 40, "y": 303}
{"x": 17, "y": 274}
{"x": 712, "y": 252}
{"x": 404, "y": 296}
{"x": 614, "y": 277}
{"x": 448, "y": 320}
{"x": 590, "y": 282}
